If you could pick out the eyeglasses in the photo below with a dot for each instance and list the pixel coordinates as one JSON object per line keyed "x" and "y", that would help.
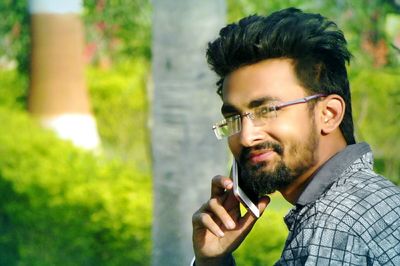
{"x": 233, "y": 124}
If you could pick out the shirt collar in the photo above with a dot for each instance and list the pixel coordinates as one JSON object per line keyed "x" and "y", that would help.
{"x": 330, "y": 171}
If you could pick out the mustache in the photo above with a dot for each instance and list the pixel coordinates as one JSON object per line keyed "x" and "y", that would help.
{"x": 246, "y": 151}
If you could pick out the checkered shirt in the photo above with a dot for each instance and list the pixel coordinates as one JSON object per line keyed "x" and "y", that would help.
{"x": 347, "y": 215}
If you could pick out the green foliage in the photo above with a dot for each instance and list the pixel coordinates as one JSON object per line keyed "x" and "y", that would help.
{"x": 13, "y": 89}
{"x": 62, "y": 206}
{"x": 14, "y": 33}
{"x": 120, "y": 105}
{"x": 376, "y": 109}
{"x": 119, "y": 28}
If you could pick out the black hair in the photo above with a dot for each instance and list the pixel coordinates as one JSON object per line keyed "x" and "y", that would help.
{"x": 315, "y": 44}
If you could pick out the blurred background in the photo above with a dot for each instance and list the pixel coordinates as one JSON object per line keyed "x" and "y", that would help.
{"x": 106, "y": 108}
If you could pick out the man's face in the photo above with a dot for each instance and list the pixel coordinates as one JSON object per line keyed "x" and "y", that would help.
{"x": 282, "y": 148}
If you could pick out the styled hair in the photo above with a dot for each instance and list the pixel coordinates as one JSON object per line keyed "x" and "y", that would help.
{"x": 316, "y": 46}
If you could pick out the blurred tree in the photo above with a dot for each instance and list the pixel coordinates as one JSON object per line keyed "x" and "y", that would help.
{"x": 185, "y": 153}
{"x": 58, "y": 93}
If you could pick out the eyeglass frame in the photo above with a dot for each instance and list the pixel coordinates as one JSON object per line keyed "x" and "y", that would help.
{"x": 251, "y": 115}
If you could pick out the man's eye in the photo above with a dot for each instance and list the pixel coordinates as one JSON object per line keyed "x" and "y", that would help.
{"x": 264, "y": 111}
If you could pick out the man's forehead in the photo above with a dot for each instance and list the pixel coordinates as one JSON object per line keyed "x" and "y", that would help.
{"x": 268, "y": 80}
{"x": 265, "y": 71}
{"x": 248, "y": 92}
{"x": 251, "y": 96}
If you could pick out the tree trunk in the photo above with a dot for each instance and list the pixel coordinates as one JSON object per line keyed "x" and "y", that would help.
{"x": 58, "y": 95}
{"x": 186, "y": 155}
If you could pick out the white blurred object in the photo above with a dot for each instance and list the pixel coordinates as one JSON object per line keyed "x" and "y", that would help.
{"x": 81, "y": 129}
{"x": 55, "y": 7}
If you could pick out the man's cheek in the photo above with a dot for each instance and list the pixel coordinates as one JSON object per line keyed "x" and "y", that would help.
{"x": 234, "y": 147}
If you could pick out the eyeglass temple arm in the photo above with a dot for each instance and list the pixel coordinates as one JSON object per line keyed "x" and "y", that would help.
{"x": 302, "y": 100}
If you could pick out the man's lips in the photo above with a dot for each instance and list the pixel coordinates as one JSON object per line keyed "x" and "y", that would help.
{"x": 260, "y": 156}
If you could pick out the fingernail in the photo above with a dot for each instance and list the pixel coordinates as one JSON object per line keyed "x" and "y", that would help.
{"x": 231, "y": 225}
{"x": 221, "y": 234}
{"x": 228, "y": 184}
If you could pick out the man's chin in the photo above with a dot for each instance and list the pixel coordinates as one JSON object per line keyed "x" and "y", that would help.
{"x": 263, "y": 168}
{"x": 266, "y": 178}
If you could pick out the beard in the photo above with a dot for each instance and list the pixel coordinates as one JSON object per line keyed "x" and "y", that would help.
{"x": 256, "y": 179}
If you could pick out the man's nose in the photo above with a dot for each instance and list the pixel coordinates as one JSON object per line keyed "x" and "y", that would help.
{"x": 249, "y": 134}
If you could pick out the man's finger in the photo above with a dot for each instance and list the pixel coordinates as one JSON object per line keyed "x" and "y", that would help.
{"x": 219, "y": 185}
{"x": 205, "y": 220}
{"x": 221, "y": 213}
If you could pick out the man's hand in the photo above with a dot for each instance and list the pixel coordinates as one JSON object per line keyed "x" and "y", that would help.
{"x": 218, "y": 227}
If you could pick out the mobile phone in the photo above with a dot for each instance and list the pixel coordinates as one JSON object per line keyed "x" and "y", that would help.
{"x": 249, "y": 202}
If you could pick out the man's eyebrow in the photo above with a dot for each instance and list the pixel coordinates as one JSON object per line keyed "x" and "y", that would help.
{"x": 260, "y": 101}
{"x": 229, "y": 109}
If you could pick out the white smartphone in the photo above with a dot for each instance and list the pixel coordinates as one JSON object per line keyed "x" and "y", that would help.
{"x": 240, "y": 194}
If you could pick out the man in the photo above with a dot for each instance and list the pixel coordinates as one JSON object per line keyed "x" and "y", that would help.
{"x": 288, "y": 122}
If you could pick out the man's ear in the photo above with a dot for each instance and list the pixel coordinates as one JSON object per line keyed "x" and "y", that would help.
{"x": 333, "y": 108}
